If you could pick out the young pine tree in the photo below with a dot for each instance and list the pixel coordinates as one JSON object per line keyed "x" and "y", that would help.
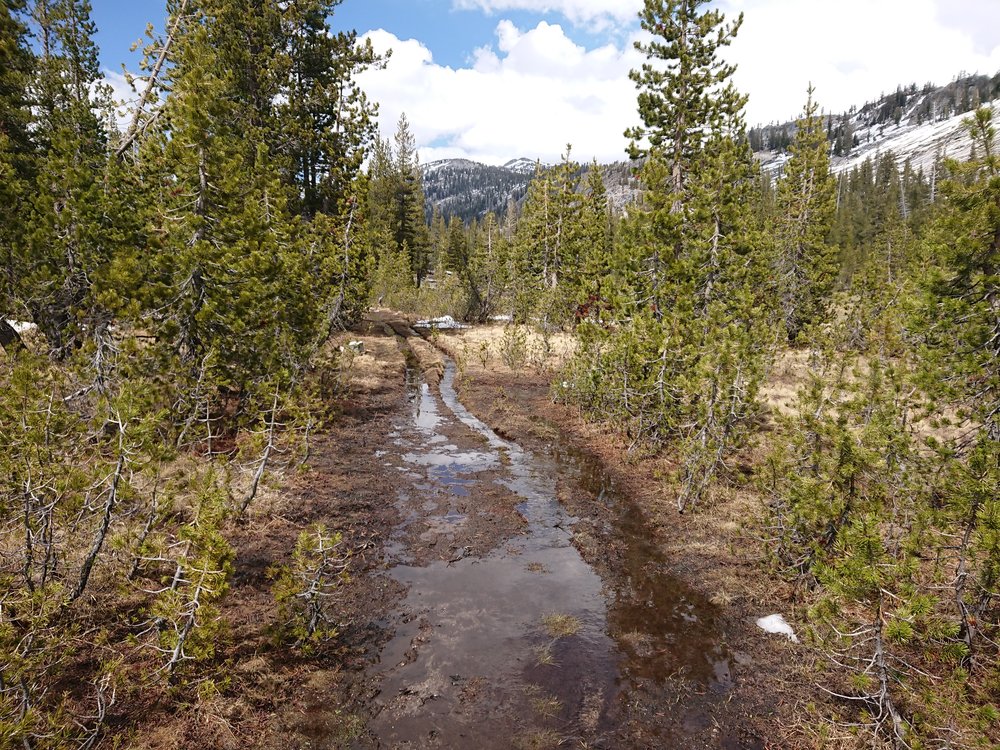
{"x": 805, "y": 262}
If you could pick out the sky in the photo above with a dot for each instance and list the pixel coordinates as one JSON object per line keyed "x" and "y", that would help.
{"x": 492, "y": 80}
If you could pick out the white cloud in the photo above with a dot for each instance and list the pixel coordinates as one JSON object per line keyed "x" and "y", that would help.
{"x": 122, "y": 95}
{"x": 533, "y": 94}
{"x": 599, "y": 14}
{"x": 980, "y": 19}
{"x": 534, "y": 90}
{"x": 851, "y": 50}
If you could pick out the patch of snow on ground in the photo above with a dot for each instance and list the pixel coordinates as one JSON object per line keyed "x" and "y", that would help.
{"x": 778, "y": 625}
{"x": 22, "y": 327}
{"x": 445, "y": 323}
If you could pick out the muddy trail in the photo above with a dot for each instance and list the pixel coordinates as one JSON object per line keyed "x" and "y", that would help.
{"x": 506, "y": 636}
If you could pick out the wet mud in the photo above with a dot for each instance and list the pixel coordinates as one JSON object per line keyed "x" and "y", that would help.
{"x": 506, "y": 636}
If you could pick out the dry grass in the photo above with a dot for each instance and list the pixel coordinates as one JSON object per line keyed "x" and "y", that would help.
{"x": 722, "y": 598}
{"x": 544, "y": 739}
{"x": 478, "y": 348}
{"x": 367, "y": 372}
{"x": 561, "y": 625}
{"x": 789, "y": 374}
{"x": 545, "y": 656}
{"x": 547, "y": 705}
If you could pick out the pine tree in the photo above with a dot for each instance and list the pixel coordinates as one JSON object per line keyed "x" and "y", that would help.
{"x": 964, "y": 321}
{"x": 408, "y": 223}
{"x": 327, "y": 124}
{"x": 550, "y": 245}
{"x": 437, "y": 237}
{"x": 490, "y": 266}
{"x": 686, "y": 99}
{"x": 960, "y": 325}
{"x": 597, "y": 275}
{"x": 393, "y": 272}
{"x": 531, "y": 252}
{"x": 805, "y": 265}
{"x": 681, "y": 85}
{"x": 459, "y": 261}
{"x": 68, "y": 240}
{"x": 16, "y": 157}
{"x": 688, "y": 364}
{"x": 233, "y": 264}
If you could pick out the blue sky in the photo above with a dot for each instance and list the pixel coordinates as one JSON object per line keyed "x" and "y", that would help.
{"x": 497, "y": 79}
{"x": 121, "y": 22}
{"x": 453, "y": 33}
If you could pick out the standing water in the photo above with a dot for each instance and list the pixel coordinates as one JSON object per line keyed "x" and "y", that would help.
{"x": 524, "y": 646}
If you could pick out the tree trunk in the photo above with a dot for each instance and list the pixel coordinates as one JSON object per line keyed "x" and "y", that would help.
{"x": 102, "y": 531}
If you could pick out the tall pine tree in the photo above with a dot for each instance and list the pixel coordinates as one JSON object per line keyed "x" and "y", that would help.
{"x": 16, "y": 157}
{"x": 805, "y": 262}
{"x": 69, "y": 241}
{"x": 686, "y": 362}
{"x": 409, "y": 228}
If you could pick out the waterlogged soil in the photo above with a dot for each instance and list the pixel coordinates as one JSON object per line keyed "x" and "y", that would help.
{"x": 507, "y": 635}
{"x": 629, "y": 531}
{"x": 507, "y": 590}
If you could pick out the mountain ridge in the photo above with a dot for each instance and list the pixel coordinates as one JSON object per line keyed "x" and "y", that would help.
{"x": 918, "y": 125}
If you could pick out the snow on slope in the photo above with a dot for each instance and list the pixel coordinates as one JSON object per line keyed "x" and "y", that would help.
{"x": 436, "y": 166}
{"x": 522, "y": 165}
{"x": 921, "y": 144}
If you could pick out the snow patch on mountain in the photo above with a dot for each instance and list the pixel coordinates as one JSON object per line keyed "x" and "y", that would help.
{"x": 434, "y": 167}
{"x": 522, "y": 165}
{"x": 922, "y": 145}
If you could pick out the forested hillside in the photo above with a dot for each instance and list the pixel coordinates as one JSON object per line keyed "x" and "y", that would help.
{"x": 907, "y": 106}
{"x": 463, "y": 188}
{"x": 469, "y": 190}
{"x": 169, "y": 291}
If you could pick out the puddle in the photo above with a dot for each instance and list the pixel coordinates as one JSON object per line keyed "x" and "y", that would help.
{"x": 663, "y": 625}
{"x": 476, "y": 660}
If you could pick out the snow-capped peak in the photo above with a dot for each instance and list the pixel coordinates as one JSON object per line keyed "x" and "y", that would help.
{"x": 522, "y": 165}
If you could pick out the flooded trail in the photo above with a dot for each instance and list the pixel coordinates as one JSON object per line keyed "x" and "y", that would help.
{"x": 507, "y": 637}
